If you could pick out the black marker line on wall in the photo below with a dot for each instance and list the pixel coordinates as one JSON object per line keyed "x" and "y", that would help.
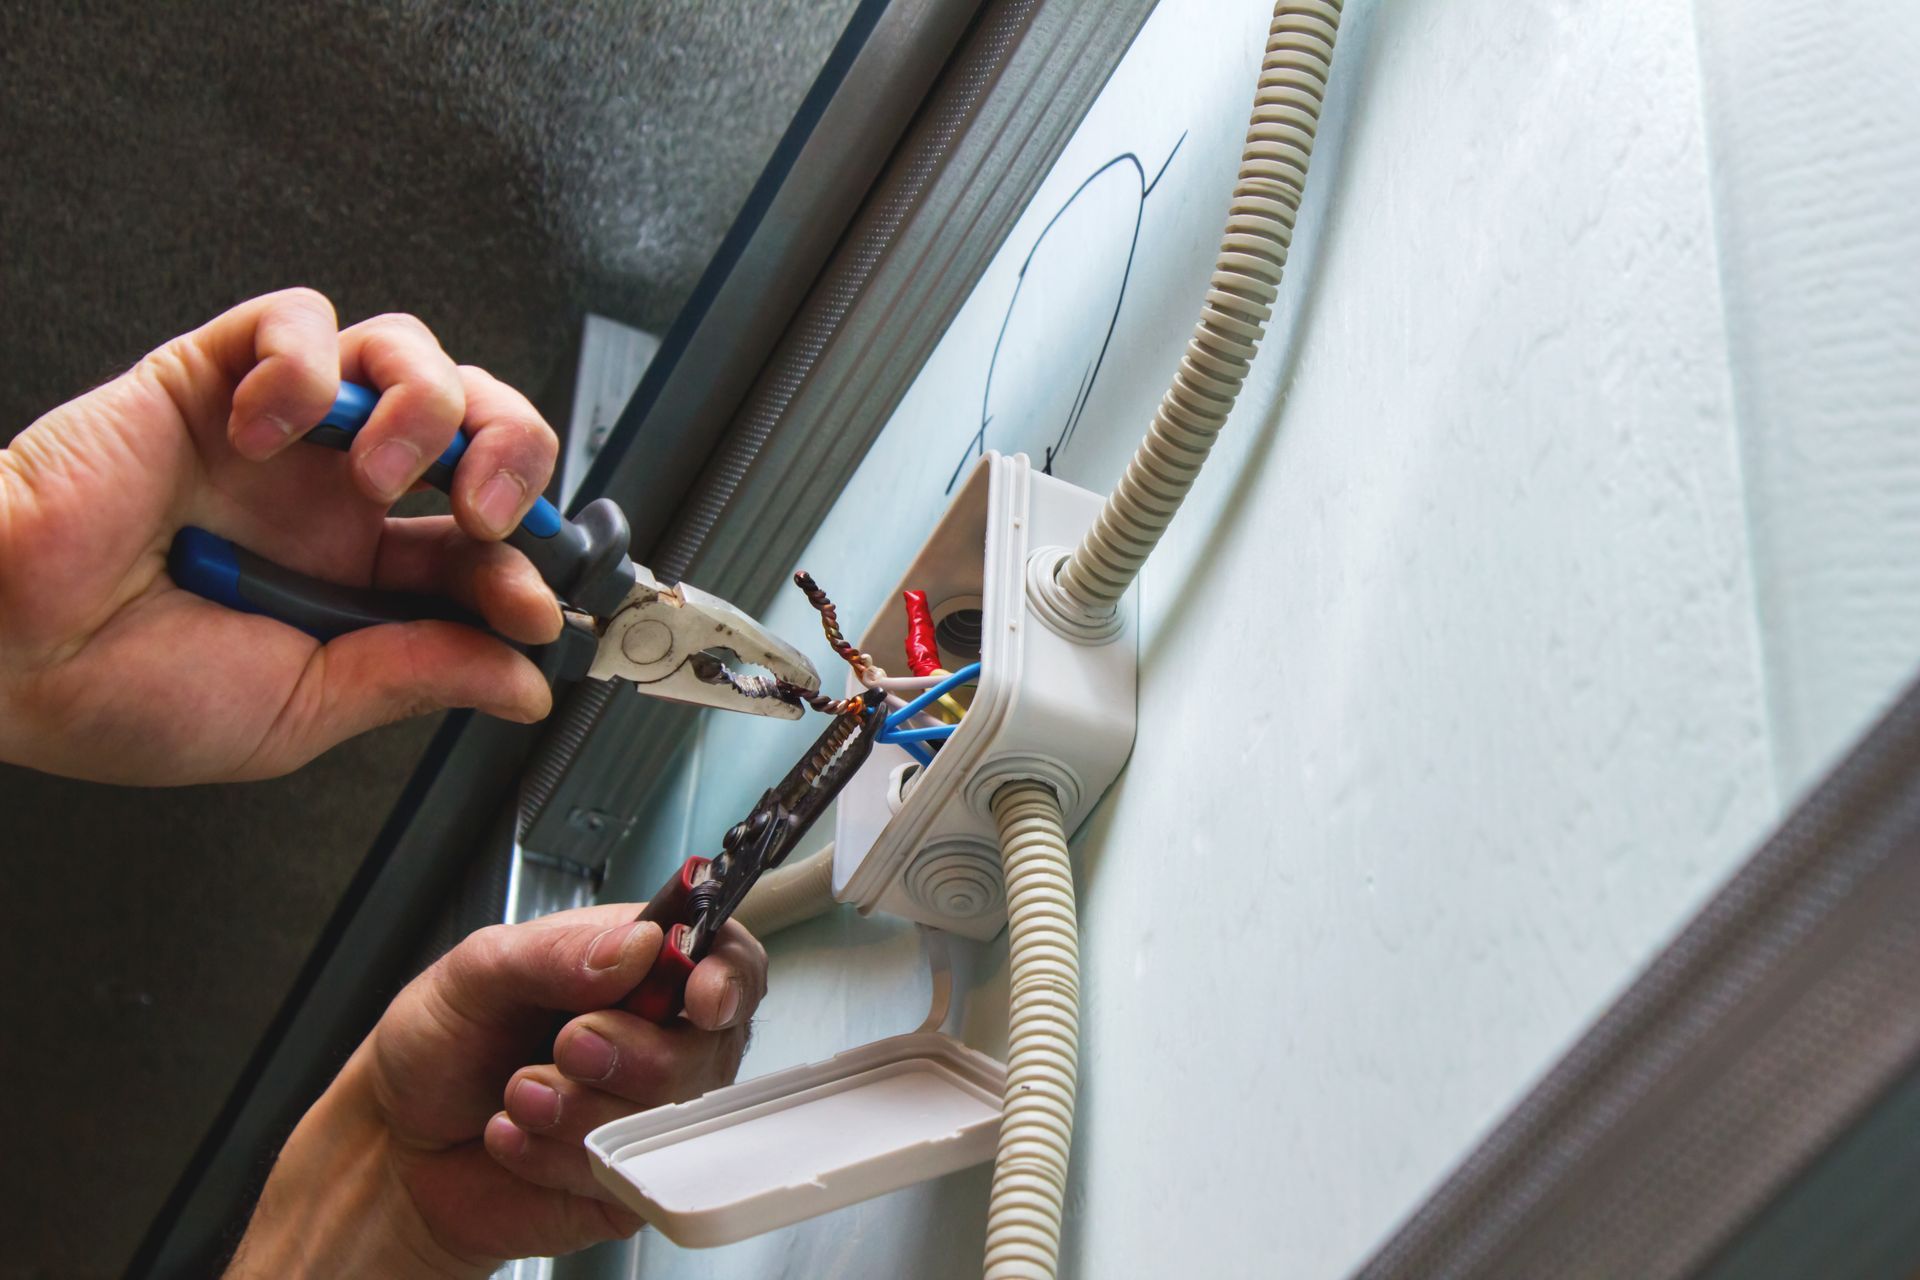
{"x": 976, "y": 444}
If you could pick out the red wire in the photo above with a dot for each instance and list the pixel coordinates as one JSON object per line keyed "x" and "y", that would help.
{"x": 923, "y": 651}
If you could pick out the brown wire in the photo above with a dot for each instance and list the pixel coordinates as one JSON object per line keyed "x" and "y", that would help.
{"x": 822, "y": 757}
{"x": 818, "y": 701}
{"x": 861, "y": 663}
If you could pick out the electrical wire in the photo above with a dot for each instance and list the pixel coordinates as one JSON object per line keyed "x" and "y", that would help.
{"x": 897, "y": 703}
{"x": 965, "y": 675}
{"x": 937, "y": 733}
{"x": 910, "y": 684}
{"x": 818, "y": 701}
{"x": 895, "y": 731}
{"x": 864, "y": 667}
{"x": 923, "y": 648}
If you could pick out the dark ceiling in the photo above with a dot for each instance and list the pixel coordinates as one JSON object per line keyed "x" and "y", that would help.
{"x": 497, "y": 170}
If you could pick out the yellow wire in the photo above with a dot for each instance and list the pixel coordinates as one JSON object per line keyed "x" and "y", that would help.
{"x": 955, "y": 713}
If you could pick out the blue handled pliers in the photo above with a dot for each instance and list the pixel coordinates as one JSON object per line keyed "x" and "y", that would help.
{"x": 675, "y": 642}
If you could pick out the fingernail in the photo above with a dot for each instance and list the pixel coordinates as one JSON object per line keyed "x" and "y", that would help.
{"x": 499, "y": 501}
{"x": 585, "y": 1057}
{"x": 556, "y": 621}
{"x": 262, "y": 436}
{"x": 534, "y": 1105}
{"x": 506, "y": 1137}
{"x": 605, "y": 950}
{"x": 529, "y": 584}
{"x": 730, "y": 1002}
{"x": 391, "y": 468}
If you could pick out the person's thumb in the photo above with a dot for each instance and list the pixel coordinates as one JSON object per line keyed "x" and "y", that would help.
{"x": 572, "y": 967}
{"x": 452, "y": 1038}
{"x": 365, "y": 679}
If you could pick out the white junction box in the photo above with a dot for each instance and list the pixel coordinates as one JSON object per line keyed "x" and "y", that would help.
{"x": 1052, "y": 703}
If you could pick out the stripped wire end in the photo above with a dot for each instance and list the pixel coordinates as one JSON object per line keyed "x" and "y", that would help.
{"x": 864, "y": 667}
{"x": 818, "y": 701}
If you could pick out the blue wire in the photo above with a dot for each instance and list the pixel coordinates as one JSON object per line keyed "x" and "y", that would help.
{"x": 909, "y": 740}
{"x": 937, "y": 733}
{"x": 965, "y": 675}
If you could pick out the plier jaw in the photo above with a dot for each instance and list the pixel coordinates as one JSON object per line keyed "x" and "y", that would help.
{"x": 701, "y": 896}
{"x": 685, "y": 645}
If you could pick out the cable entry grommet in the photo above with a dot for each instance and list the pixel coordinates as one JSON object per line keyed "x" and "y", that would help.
{"x": 1003, "y": 770}
{"x": 959, "y": 879}
{"x": 1048, "y": 601}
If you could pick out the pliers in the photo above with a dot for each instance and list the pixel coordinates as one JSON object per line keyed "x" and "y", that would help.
{"x": 701, "y": 896}
{"x": 674, "y": 642}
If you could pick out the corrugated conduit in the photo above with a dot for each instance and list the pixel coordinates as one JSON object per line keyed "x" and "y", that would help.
{"x": 1036, "y": 1127}
{"x": 1043, "y": 1041}
{"x": 1239, "y": 301}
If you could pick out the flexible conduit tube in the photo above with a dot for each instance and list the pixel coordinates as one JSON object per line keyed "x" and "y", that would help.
{"x": 1239, "y": 301}
{"x": 1043, "y": 1042}
{"x": 789, "y": 895}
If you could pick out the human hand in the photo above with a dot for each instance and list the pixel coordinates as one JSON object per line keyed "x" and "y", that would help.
{"x": 109, "y": 671}
{"x": 408, "y": 1166}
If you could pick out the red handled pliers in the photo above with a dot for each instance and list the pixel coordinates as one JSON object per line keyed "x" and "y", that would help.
{"x": 701, "y": 896}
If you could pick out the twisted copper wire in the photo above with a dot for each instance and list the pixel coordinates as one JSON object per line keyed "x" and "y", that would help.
{"x": 862, "y": 663}
{"x": 818, "y": 701}
{"x": 830, "y": 743}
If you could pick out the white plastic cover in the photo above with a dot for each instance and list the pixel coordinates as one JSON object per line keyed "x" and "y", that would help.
{"x": 773, "y": 1151}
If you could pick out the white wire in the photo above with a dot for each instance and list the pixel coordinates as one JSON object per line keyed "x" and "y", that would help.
{"x": 922, "y": 720}
{"x": 909, "y": 684}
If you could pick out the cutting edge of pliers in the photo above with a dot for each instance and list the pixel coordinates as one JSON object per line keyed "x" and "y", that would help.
{"x": 686, "y": 645}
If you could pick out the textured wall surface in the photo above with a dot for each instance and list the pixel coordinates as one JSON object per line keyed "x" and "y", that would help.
{"x": 1541, "y": 563}
{"x": 1816, "y": 170}
{"x": 494, "y": 169}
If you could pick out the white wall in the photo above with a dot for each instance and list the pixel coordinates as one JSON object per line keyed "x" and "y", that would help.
{"x": 1457, "y": 692}
{"x": 1814, "y": 115}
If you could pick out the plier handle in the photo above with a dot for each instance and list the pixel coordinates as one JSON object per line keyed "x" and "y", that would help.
{"x": 701, "y": 895}
{"x": 675, "y": 642}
